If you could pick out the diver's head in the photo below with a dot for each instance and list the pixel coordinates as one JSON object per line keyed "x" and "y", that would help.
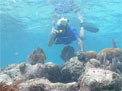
{"x": 63, "y": 22}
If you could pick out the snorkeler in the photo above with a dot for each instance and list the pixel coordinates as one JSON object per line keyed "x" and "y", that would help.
{"x": 62, "y": 7}
{"x": 64, "y": 34}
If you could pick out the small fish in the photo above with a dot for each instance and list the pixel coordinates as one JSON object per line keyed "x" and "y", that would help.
{"x": 114, "y": 45}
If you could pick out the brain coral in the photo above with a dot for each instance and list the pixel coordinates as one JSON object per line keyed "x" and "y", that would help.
{"x": 91, "y": 54}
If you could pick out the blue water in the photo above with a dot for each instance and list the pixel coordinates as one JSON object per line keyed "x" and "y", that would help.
{"x": 26, "y": 24}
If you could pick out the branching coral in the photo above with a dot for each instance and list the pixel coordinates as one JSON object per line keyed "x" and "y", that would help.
{"x": 119, "y": 72}
{"x": 110, "y": 65}
{"x": 113, "y": 66}
{"x": 110, "y": 53}
{"x": 109, "y": 57}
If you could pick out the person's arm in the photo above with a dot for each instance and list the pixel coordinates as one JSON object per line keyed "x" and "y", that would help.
{"x": 51, "y": 40}
{"x": 80, "y": 44}
{"x": 78, "y": 38}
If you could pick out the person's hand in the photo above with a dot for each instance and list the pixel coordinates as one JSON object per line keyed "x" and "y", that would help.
{"x": 53, "y": 32}
{"x": 51, "y": 40}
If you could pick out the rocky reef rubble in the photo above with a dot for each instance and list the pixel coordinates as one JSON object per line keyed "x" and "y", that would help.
{"x": 88, "y": 71}
{"x": 71, "y": 70}
{"x": 12, "y": 87}
{"x": 96, "y": 79}
{"x": 45, "y": 85}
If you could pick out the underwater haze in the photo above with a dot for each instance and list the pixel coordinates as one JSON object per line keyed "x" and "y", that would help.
{"x": 26, "y": 24}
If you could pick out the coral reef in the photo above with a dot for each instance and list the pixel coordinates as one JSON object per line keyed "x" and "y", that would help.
{"x": 71, "y": 70}
{"x": 13, "y": 72}
{"x": 92, "y": 63}
{"x": 5, "y": 78}
{"x": 13, "y": 87}
{"x": 119, "y": 64}
{"x": 38, "y": 56}
{"x": 110, "y": 58}
{"x": 120, "y": 73}
{"x": 113, "y": 66}
{"x": 4, "y": 86}
{"x": 27, "y": 71}
{"x": 96, "y": 79}
{"x": 22, "y": 68}
{"x": 84, "y": 72}
{"x": 35, "y": 71}
{"x": 67, "y": 53}
{"x": 1, "y": 69}
{"x": 46, "y": 85}
{"x": 109, "y": 53}
{"x": 54, "y": 74}
{"x": 81, "y": 56}
{"x": 91, "y": 54}
{"x": 114, "y": 45}
{"x": 110, "y": 65}
{"x": 49, "y": 70}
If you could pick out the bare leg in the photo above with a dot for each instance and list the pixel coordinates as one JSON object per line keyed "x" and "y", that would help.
{"x": 79, "y": 15}
{"x": 80, "y": 44}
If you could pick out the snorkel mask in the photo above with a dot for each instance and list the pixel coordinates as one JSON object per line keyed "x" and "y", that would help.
{"x": 62, "y": 24}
